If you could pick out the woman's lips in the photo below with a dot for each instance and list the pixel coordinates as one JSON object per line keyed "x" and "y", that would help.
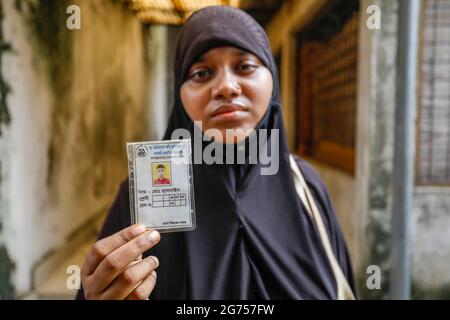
{"x": 231, "y": 112}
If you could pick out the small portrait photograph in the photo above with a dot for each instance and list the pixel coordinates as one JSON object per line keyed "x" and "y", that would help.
{"x": 161, "y": 174}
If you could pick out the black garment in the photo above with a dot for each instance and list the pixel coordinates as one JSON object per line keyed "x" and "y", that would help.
{"x": 254, "y": 238}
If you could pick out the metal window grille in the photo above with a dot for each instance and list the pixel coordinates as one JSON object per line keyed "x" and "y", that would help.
{"x": 434, "y": 109}
{"x": 327, "y": 97}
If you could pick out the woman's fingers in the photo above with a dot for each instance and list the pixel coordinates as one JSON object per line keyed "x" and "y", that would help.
{"x": 131, "y": 279}
{"x": 143, "y": 291}
{"x": 107, "y": 245}
{"x": 118, "y": 260}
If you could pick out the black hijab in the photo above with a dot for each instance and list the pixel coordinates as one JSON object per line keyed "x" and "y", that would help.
{"x": 254, "y": 239}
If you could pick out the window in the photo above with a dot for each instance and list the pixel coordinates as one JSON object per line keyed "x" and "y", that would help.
{"x": 327, "y": 89}
{"x": 433, "y": 156}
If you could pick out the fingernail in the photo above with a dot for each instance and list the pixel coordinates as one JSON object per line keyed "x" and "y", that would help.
{"x": 153, "y": 236}
{"x": 156, "y": 260}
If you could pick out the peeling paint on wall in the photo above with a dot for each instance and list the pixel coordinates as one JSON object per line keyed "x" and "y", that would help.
{"x": 6, "y": 264}
{"x": 46, "y": 20}
{"x": 376, "y": 106}
{"x": 78, "y": 96}
{"x": 5, "y": 89}
{"x": 6, "y": 268}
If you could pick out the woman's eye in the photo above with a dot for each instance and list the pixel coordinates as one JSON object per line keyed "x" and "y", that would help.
{"x": 246, "y": 67}
{"x": 200, "y": 75}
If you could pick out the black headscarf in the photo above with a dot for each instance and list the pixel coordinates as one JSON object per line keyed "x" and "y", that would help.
{"x": 254, "y": 239}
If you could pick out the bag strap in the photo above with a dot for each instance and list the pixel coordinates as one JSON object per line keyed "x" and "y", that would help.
{"x": 344, "y": 292}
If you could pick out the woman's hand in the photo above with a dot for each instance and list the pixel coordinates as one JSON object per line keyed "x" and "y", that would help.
{"x": 114, "y": 268}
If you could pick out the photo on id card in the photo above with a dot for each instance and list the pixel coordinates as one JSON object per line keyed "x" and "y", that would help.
{"x": 161, "y": 185}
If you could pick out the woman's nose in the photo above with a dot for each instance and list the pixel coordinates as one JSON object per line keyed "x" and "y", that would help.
{"x": 226, "y": 86}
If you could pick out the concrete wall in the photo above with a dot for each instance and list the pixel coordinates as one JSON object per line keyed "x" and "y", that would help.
{"x": 430, "y": 236}
{"x": 161, "y": 47}
{"x": 77, "y": 97}
{"x": 375, "y": 141}
{"x": 431, "y": 242}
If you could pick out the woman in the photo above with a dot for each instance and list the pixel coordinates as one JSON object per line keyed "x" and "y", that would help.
{"x": 255, "y": 239}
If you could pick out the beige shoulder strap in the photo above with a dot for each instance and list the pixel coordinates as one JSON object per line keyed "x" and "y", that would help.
{"x": 343, "y": 288}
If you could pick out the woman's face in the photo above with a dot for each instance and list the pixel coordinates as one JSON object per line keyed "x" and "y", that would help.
{"x": 227, "y": 88}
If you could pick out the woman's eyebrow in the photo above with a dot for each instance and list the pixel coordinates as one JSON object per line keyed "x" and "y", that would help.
{"x": 248, "y": 55}
{"x": 238, "y": 53}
